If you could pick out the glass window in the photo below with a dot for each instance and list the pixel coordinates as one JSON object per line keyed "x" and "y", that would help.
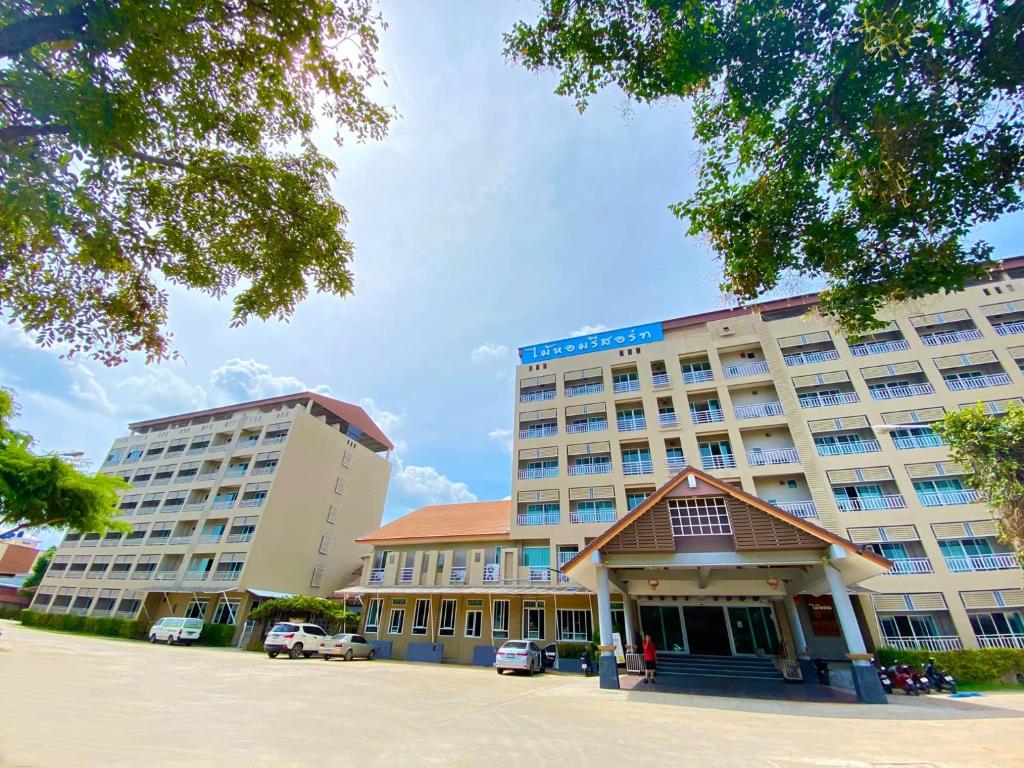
{"x": 446, "y": 627}
{"x": 226, "y": 613}
{"x": 575, "y": 625}
{"x": 706, "y": 516}
{"x": 533, "y": 619}
{"x": 372, "y": 623}
{"x": 537, "y": 557}
{"x": 197, "y": 609}
{"x": 474, "y": 623}
{"x": 397, "y": 621}
{"x": 421, "y": 617}
{"x": 499, "y": 623}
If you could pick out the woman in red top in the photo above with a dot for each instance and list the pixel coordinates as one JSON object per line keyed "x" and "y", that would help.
{"x": 650, "y": 659}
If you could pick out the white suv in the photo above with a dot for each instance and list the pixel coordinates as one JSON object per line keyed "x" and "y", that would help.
{"x": 294, "y": 639}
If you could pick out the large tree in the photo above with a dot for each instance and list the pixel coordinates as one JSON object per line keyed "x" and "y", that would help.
{"x": 856, "y": 142}
{"x": 990, "y": 447}
{"x": 37, "y": 491}
{"x": 148, "y": 143}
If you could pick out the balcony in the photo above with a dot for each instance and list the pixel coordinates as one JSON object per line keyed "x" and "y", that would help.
{"x": 191, "y": 575}
{"x": 952, "y": 337}
{"x": 533, "y": 397}
{"x": 197, "y": 449}
{"x": 117, "y": 575}
{"x": 775, "y": 456}
{"x": 668, "y": 419}
{"x": 492, "y": 572}
{"x": 642, "y": 467}
{"x": 405, "y": 576}
{"x": 822, "y": 401}
{"x": 968, "y": 563}
{"x": 258, "y": 501}
{"x": 540, "y": 574}
{"x": 180, "y": 539}
{"x": 236, "y": 471}
{"x": 223, "y": 503}
{"x": 154, "y": 541}
{"x": 597, "y": 425}
{"x": 746, "y": 369}
{"x": 210, "y": 538}
{"x": 660, "y": 380}
{"x": 906, "y": 390}
{"x": 141, "y": 575}
{"x": 584, "y": 389}
{"x": 1009, "y": 329}
{"x": 207, "y": 475}
{"x": 165, "y": 575}
{"x": 195, "y": 506}
{"x": 631, "y": 424}
{"x": 547, "y": 430}
{"x": 676, "y": 463}
{"x": 629, "y": 385}
{"x": 879, "y": 347}
{"x": 227, "y": 575}
{"x": 1001, "y": 641}
{"x": 275, "y": 439}
{"x": 801, "y": 509}
{"x": 932, "y": 643}
{"x": 948, "y": 498}
{"x": 458, "y": 575}
{"x": 910, "y": 565}
{"x": 978, "y": 382}
{"x": 807, "y": 358}
{"x": 920, "y": 441}
{"x": 868, "y": 503}
{"x": 757, "y": 410}
{"x": 265, "y": 469}
{"x": 539, "y": 473}
{"x": 725, "y": 461}
{"x": 538, "y": 518}
{"x": 239, "y": 538}
{"x": 600, "y": 468}
{"x": 592, "y": 516}
{"x": 710, "y": 416}
{"x": 132, "y": 541}
{"x": 377, "y": 576}
{"x": 696, "y": 377}
{"x": 845, "y": 449}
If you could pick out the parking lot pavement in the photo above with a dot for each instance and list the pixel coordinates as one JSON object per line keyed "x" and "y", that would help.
{"x": 68, "y": 700}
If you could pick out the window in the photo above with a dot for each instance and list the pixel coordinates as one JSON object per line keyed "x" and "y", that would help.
{"x": 575, "y": 625}
{"x": 332, "y": 515}
{"x": 447, "y": 625}
{"x": 635, "y": 498}
{"x": 325, "y": 544}
{"x": 318, "y": 576}
{"x": 197, "y": 608}
{"x": 226, "y": 613}
{"x": 533, "y": 619}
{"x": 339, "y": 486}
{"x": 397, "y": 621}
{"x": 346, "y": 459}
{"x": 1007, "y": 623}
{"x": 706, "y": 516}
{"x": 372, "y": 623}
{"x": 537, "y": 557}
{"x": 421, "y": 617}
{"x": 474, "y": 622}
{"x": 499, "y": 620}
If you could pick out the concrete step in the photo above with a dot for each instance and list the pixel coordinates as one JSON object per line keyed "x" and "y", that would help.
{"x": 749, "y": 668}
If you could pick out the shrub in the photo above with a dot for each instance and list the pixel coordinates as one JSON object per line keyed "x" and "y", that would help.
{"x": 8, "y": 611}
{"x": 972, "y": 665}
{"x": 107, "y": 627}
{"x": 572, "y": 650}
{"x": 217, "y": 634}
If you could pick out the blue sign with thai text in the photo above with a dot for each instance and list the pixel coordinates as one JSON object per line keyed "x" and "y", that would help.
{"x": 594, "y": 342}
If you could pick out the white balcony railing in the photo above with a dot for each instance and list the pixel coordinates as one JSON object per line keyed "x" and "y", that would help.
{"x": 822, "y": 401}
{"x": 997, "y": 562}
{"x": 757, "y": 410}
{"x": 405, "y": 576}
{"x": 180, "y": 539}
{"x": 223, "y": 503}
{"x": 587, "y": 426}
{"x": 978, "y": 382}
{"x": 668, "y": 419}
{"x": 237, "y": 472}
{"x": 676, "y": 463}
{"x": 266, "y": 469}
{"x": 231, "y": 575}
{"x": 259, "y": 501}
{"x": 879, "y": 347}
{"x": 545, "y": 431}
{"x": 802, "y": 509}
{"x": 144, "y": 574}
{"x": 538, "y": 473}
{"x": 533, "y": 397}
{"x": 195, "y": 506}
{"x": 696, "y": 377}
{"x": 492, "y": 572}
{"x": 867, "y": 503}
{"x": 845, "y": 449}
{"x": 933, "y": 643}
{"x": 458, "y": 575}
{"x": 538, "y": 518}
{"x": 117, "y": 575}
{"x": 952, "y": 337}
{"x": 377, "y": 576}
{"x": 631, "y": 424}
{"x": 166, "y": 575}
{"x": 909, "y": 390}
{"x": 632, "y": 385}
{"x": 919, "y": 441}
{"x": 775, "y": 456}
{"x": 275, "y": 439}
{"x": 540, "y": 574}
{"x": 642, "y": 467}
{"x": 710, "y": 416}
{"x": 724, "y": 461}
{"x": 90, "y": 543}
{"x": 1001, "y": 641}
{"x": 948, "y": 498}
{"x": 601, "y": 468}
{"x": 191, "y": 575}
{"x": 209, "y": 538}
{"x": 578, "y": 516}
{"x": 746, "y": 369}
{"x": 908, "y": 565}
{"x": 660, "y": 380}
{"x": 806, "y": 358}
{"x": 239, "y": 538}
{"x": 584, "y": 389}
{"x": 154, "y": 541}
{"x": 132, "y": 542}
{"x": 1009, "y": 329}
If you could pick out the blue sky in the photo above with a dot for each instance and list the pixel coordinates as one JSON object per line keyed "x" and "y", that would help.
{"x": 493, "y": 215}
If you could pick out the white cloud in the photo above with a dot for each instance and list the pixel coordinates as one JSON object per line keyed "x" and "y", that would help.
{"x": 503, "y": 436}
{"x": 252, "y": 380}
{"x": 158, "y": 392}
{"x": 489, "y": 353}
{"x": 428, "y": 486}
{"x": 388, "y": 421}
{"x": 86, "y": 388}
{"x": 586, "y": 330}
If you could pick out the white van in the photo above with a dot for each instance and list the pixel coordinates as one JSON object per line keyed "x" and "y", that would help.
{"x": 173, "y": 630}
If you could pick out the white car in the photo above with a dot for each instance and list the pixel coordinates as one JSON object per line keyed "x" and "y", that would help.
{"x": 171, "y": 630}
{"x": 520, "y": 656}
{"x": 347, "y": 647}
{"x": 294, "y": 639}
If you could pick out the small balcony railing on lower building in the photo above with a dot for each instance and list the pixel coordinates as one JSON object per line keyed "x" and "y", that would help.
{"x": 231, "y": 575}
{"x": 710, "y": 416}
{"x": 540, "y": 574}
{"x": 668, "y": 419}
{"x": 868, "y": 503}
{"x": 538, "y": 474}
{"x": 377, "y": 576}
{"x": 823, "y": 401}
{"x": 458, "y": 575}
{"x": 492, "y": 572}
{"x": 772, "y": 457}
{"x": 758, "y": 410}
{"x": 808, "y": 358}
{"x": 968, "y": 563}
{"x": 602, "y": 468}
{"x": 952, "y": 337}
{"x": 1001, "y": 641}
{"x": 878, "y": 347}
{"x": 948, "y": 498}
{"x": 845, "y": 449}
{"x": 802, "y": 509}
{"x": 919, "y": 441}
{"x": 196, "y": 576}
{"x": 895, "y": 393}
{"x": 592, "y": 516}
{"x": 1009, "y": 329}
{"x": 644, "y": 467}
{"x": 405, "y": 576}
{"x": 930, "y": 643}
{"x": 538, "y": 518}
{"x": 725, "y": 461}
{"x": 746, "y": 369}
{"x": 676, "y": 463}
{"x": 910, "y": 565}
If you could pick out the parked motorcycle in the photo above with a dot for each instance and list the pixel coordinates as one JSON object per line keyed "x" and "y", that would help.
{"x": 903, "y": 679}
{"x": 883, "y": 676}
{"x": 924, "y": 683}
{"x": 586, "y": 665}
{"x": 940, "y": 679}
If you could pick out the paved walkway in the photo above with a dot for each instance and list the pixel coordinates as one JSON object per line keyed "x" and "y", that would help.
{"x": 69, "y": 700}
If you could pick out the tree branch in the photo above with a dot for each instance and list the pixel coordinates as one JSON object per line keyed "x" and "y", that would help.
{"x": 20, "y": 36}
{"x": 13, "y": 133}
{"x": 26, "y": 526}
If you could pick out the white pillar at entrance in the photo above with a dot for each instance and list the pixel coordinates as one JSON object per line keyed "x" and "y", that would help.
{"x": 627, "y": 611}
{"x": 795, "y": 626}
{"x": 607, "y": 667}
{"x": 845, "y": 614}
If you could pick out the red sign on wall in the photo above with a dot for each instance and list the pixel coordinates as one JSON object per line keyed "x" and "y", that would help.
{"x": 823, "y": 616}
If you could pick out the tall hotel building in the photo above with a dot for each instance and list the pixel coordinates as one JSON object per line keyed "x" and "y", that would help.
{"x": 773, "y": 400}
{"x": 229, "y": 507}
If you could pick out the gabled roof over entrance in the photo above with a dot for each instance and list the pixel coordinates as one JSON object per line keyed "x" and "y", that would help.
{"x": 756, "y": 524}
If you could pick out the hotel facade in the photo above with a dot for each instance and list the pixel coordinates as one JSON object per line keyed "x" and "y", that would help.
{"x": 228, "y": 507}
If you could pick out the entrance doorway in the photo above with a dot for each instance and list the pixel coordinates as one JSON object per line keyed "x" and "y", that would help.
{"x": 753, "y": 630}
{"x": 664, "y": 626}
{"x": 706, "y": 630}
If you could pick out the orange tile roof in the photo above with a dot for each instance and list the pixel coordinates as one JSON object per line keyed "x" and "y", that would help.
{"x": 474, "y": 520}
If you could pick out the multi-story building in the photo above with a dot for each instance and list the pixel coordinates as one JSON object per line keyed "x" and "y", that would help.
{"x": 228, "y": 507}
{"x": 773, "y": 399}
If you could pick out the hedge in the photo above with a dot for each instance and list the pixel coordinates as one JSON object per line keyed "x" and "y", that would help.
{"x": 217, "y": 634}
{"x": 8, "y": 611}
{"x": 973, "y": 665}
{"x": 107, "y": 627}
{"x": 573, "y": 650}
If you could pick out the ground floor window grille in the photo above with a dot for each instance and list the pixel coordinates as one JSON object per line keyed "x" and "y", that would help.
{"x": 447, "y": 624}
{"x": 575, "y": 625}
{"x": 474, "y": 621}
{"x": 421, "y": 617}
{"x": 397, "y": 622}
{"x": 197, "y": 608}
{"x": 705, "y": 516}
{"x": 226, "y": 613}
{"x": 533, "y": 619}
{"x": 373, "y": 615}
{"x": 499, "y": 623}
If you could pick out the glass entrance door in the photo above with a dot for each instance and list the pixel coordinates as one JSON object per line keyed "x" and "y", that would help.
{"x": 664, "y": 626}
{"x": 753, "y": 630}
{"x": 706, "y": 631}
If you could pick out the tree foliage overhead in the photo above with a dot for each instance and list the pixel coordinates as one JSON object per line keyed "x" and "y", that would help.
{"x": 859, "y": 142}
{"x": 39, "y": 569}
{"x": 991, "y": 449}
{"x": 144, "y": 144}
{"x": 307, "y": 606}
{"x": 37, "y": 491}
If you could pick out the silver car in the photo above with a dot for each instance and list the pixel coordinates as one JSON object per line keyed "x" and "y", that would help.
{"x": 347, "y": 646}
{"x": 520, "y": 656}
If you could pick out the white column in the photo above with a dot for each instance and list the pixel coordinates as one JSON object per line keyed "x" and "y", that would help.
{"x": 627, "y": 610}
{"x": 845, "y": 614}
{"x": 604, "y": 610}
{"x": 799, "y": 640}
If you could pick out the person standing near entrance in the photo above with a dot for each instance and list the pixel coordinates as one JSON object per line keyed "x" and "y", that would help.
{"x": 650, "y": 659}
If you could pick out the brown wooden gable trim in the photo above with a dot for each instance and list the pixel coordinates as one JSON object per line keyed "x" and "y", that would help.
{"x": 754, "y": 529}
{"x": 651, "y": 532}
